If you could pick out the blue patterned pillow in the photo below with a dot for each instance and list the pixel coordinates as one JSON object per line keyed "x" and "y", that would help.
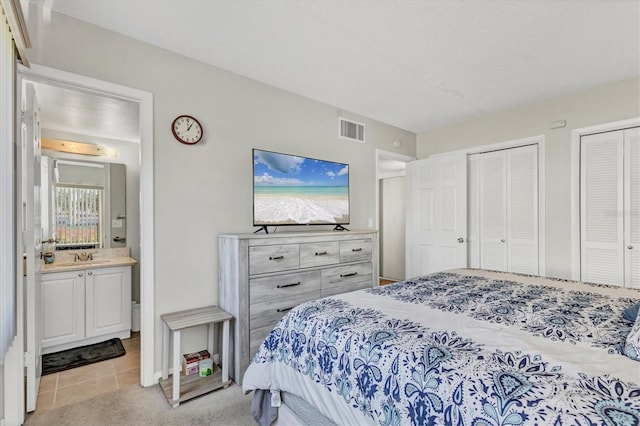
{"x": 632, "y": 346}
{"x": 631, "y": 312}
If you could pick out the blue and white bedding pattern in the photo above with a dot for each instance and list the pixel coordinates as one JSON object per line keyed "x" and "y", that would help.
{"x": 462, "y": 347}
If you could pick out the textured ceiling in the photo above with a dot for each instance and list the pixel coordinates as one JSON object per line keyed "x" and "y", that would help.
{"x": 413, "y": 64}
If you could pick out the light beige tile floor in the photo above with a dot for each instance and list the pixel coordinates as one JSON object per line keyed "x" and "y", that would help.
{"x": 78, "y": 384}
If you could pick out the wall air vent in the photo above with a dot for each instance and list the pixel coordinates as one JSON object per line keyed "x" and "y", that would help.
{"x": 350, "y": 130}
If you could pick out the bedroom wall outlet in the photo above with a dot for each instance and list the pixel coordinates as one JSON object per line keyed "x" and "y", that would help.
{"x": 370, "y": 223}
{"x": 557, "y": 124}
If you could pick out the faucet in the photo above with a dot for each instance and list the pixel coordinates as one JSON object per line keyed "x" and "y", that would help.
{"x": 83, "y": 257}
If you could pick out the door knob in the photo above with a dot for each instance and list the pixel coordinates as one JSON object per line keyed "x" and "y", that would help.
{"x": 502, "y": 240}
{"x": 461, "y": 240}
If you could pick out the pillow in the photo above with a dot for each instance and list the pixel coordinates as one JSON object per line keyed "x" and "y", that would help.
{"x": 631, "y": 312}
{"x": 632, "y": 345}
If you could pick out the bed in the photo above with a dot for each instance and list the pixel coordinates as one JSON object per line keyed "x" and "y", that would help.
{"x": 461, "y": 347}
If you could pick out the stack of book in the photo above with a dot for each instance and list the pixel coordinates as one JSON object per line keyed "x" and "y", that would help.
{"x": 190, "y": 361}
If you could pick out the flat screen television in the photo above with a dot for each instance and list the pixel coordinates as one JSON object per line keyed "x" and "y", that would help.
{"x": 293, "y": 190}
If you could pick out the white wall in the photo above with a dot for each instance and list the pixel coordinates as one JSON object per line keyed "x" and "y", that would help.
{"x": 204, "y": 190}
{"x": 608, "y": 103}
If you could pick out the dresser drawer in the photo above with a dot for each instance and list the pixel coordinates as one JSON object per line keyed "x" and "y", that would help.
{"x": 274, "y": 258}
{"x": 269, "y": 312}
{"x": 275, "y": 287}
{"x": 355, "y": 250}
{"x": 344, "y": 277}
{"x": 331, "y": 291}
{"x": 257, "y": 336}
{"x": 319, "y": 254}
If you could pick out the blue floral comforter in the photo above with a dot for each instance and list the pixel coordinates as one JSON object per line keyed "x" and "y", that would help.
{"x": 463, "y": 347}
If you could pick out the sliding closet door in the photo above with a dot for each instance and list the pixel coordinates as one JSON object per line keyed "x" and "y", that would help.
{"x": 601, "y": 207}
{"x": 507, "y": 218}
{"x": 632, "y": 207}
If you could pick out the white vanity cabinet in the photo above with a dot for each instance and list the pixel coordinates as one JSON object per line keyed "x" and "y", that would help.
{"x": 86, "y": 306}
{"x": 62, "y": 308}
{"x": 261, "y": 277}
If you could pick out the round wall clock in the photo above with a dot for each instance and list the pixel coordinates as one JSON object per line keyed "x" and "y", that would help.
{"x": 186, "y": 129}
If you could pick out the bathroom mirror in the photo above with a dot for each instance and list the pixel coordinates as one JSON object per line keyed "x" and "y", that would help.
{"x": 83, "y": 204}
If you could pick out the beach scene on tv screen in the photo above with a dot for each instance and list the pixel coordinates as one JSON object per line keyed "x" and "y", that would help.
{"x": 290, "y": 190}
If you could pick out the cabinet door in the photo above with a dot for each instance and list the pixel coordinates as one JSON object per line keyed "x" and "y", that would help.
{"x": 108, "y": 300}
{"x": 62, "y": 308}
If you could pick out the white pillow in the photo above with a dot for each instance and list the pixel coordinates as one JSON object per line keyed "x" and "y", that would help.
{"x": 632, "y": 346}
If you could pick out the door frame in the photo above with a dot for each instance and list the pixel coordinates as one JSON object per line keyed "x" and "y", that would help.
{"x": 380, "y": 156}
{"x": 147, "y": 253}
{"x": 576, "y": 134}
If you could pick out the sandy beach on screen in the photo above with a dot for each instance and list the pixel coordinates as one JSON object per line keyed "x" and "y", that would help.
{"x": 293, "y": 209}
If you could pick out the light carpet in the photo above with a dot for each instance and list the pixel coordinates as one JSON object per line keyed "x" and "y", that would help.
{"x": 148, "y": 406}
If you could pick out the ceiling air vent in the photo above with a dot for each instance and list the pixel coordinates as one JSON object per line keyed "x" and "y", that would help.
{"x": 350, "y": 130}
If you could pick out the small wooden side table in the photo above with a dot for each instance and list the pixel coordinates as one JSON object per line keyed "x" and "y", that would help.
{"x": 180, "y": 387}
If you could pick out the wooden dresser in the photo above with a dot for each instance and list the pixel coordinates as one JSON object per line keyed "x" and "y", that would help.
{"x": 263, "y": 276}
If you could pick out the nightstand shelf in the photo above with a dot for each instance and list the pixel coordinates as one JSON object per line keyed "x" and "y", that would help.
{"x": 179, "y": 387}
{"x": 193, "y": 385}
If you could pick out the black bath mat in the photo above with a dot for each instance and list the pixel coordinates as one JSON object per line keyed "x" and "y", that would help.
{"x": 84, "y": 355}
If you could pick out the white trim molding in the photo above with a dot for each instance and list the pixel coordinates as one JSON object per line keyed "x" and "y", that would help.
{"x": 18, "y": 26}
{"x": 576, "y": 134}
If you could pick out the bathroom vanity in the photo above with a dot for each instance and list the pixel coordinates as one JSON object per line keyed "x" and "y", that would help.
{"x": 86, "y": 302}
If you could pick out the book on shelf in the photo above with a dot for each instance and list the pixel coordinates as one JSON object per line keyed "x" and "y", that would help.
{"x": 190, "y": 362}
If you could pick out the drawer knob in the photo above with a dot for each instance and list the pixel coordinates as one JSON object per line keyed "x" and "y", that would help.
{"x": 276, "y": 257}
{"x": 284, "y": 309}
{"x": 352, "y": 274}
{"x": 288, "y": 285}
{"x": 321, "y": 253}
{"x": 358, "y": 249}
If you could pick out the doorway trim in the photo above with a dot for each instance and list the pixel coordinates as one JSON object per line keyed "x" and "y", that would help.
{"x": 576, "y": 134}
{"x": 147, "y": 254}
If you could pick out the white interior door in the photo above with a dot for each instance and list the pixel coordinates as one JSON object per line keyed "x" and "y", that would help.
{"x": 632, "y": 207}
{"x": 32, "y": 240}
{"x": 601, "y": 207}
{"x": 436, "y": 214}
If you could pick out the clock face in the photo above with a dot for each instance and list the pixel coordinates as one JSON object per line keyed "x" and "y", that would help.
{"x": 187, "y": 129}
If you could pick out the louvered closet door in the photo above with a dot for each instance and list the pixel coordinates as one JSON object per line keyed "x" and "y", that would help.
{"x": 493, "y": 211}
{"x": 632, "y": 207}
{"x": 507, "y": 209}
{"x": 522, "y": 209}
{"x": 601, "y": 205}
{"x": 473, "y": 211}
